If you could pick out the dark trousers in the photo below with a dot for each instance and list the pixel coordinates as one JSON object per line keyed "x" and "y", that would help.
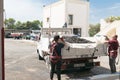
{"x": 55, "y": 67}
{"x": 112, "y": 64}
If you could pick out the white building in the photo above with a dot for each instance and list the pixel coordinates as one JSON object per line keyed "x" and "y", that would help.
{"x": 72, "y": 14}
{"x": 109, "y": 29}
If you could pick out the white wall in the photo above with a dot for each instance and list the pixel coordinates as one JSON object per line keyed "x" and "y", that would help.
{"x": 118, "y": 33}
{"x": 110, "y": 29}
{"x": 60, "y": 10}
{"x": 118, "y": 30}
{"x": 56, "y": 13}
{"x": 80, "y": 12}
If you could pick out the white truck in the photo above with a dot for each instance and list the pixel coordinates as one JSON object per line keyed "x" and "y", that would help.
{"x": 78, "y": 53}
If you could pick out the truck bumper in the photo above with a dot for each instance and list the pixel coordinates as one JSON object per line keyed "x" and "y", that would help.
{"x": 82, "y": 64}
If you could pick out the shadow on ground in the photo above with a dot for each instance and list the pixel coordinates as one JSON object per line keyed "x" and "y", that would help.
{"x": 80, "y": 74}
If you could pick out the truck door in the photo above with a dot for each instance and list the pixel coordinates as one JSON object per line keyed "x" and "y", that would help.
{"x": 101, "y": 50}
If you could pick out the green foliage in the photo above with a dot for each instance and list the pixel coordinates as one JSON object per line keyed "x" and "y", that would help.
{"x": 10, "y": 23}
{"x": 13, "y": 24}
{"x": 112, "y": 18}
{"x": 18, "y": 25}
{"x": 94, "y": 29}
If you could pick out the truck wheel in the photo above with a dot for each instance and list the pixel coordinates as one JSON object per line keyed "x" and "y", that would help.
{"x": 40, "y": 58}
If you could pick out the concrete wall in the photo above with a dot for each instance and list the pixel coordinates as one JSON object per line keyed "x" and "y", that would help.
{"x": 80, "y": 11}
{"x": 59, "y": 11}
{"x": 56, "y": 15}
{"x": 110, "y": 29}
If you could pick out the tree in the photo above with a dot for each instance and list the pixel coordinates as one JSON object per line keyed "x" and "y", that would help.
{"x": 36, "y": 24}
{"x": 33, "y": 25}
{"x": 10, "y": 23}
{"x": 118, "y": 18}
{"x": 94, "y": 29}
{"x": 112, "y": 18}
{"x": 41, "y": 24}
{"x": 28, "y": 25}
{"x": 19, "y": 25}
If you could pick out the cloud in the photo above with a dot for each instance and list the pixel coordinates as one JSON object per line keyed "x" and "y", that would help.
{"x": 23, "y": 10}
{"x": 101, "y": 13}
{"x": 115, "y": 6}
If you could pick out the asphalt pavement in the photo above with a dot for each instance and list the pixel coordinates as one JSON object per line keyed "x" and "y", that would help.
{"x": 21, "y": 63}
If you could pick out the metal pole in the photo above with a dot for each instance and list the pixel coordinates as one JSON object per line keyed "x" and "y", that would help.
{"x": 49, "y": 35}
{"x": 2, "y": 74}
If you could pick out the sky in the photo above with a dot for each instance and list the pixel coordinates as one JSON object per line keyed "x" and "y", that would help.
{"x": 29, "y": 10}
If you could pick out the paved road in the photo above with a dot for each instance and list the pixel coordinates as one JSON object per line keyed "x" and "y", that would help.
{"x": 21, "y": 63}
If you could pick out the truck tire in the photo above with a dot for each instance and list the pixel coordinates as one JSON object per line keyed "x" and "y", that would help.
{"x": 40, "y": 58}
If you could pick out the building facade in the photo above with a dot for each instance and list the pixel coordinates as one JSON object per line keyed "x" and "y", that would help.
{"x": 109, "y": 29}
{"x": 72, "y": 14}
